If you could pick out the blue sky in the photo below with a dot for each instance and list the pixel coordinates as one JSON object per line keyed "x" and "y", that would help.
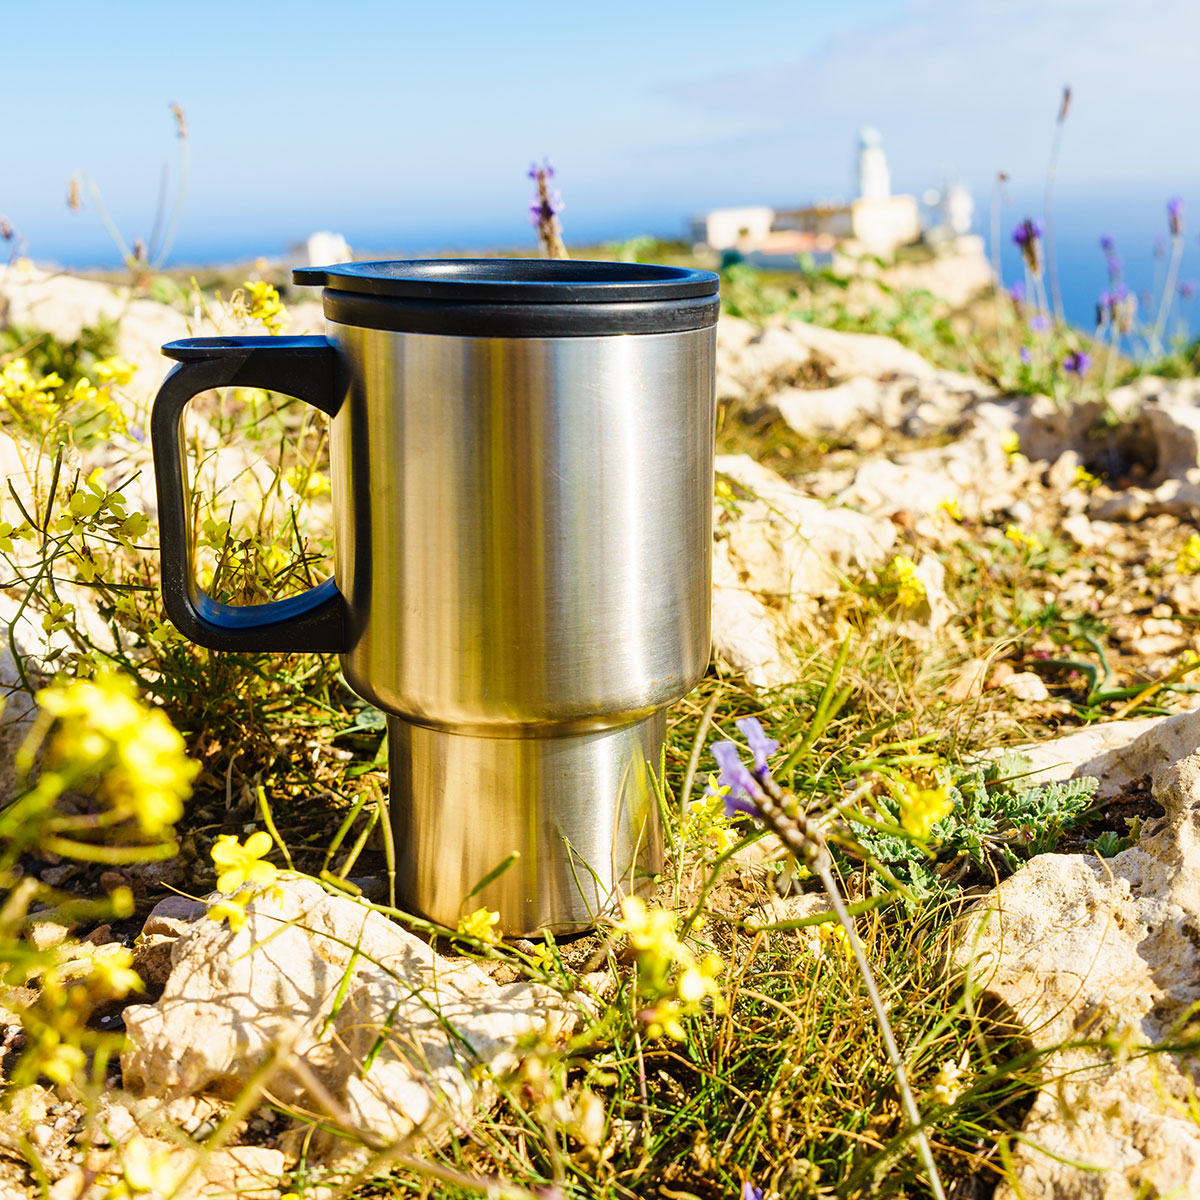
{"x": 410, "y": 126}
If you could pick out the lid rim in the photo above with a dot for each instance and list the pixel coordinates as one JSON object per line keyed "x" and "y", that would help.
{"x": 518, "y": 320}
{"x": 512, "y": 281}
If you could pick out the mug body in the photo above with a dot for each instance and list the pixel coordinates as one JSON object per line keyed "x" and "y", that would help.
{"x": 523, "y": 525}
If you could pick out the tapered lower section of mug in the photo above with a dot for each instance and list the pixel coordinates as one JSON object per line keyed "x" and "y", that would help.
{"x": 574, "y": 817}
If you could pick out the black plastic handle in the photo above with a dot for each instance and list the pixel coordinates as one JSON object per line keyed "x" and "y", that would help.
{"x": 309, "y": 368}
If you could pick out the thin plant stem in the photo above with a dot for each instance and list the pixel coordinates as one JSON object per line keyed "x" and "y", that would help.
{"x": 1168, "y": 294}
{"x": 1051, "y": 175}
{"x": 1110, "y": 358}
{"x": 689, "y": 779}
{"x": 997, "y": 267}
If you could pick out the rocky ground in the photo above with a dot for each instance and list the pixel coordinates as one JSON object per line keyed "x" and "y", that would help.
{"x": 840, "y": 454}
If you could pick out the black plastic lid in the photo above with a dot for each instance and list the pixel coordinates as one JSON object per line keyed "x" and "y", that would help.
{"x": 516, "y": 297}
{"x": 513, "y": 280}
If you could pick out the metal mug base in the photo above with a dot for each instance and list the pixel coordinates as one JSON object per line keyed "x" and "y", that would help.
{"x": 579, "y": 810}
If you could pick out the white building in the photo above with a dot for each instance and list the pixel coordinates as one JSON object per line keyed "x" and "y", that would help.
{"x": 876, "y": 223}
{"x": 731, "y": 228}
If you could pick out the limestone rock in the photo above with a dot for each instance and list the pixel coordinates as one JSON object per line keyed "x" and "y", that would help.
{"x": 968, "y": 681}
{"x": 173, "y": 916}
{"x": 1082, "y": 948}
{"x": 244, "y": 1172}
{"x": 1025, "y": 685}
{"x": 769, "y": 358}
{"x": 795, "y": 545}
{"x": 973, "y": 471}
{"x": 745, "y": 633}
{"x": 235, "y": 997}
{"x": 824, "y": 412}
{"x": 860, "y": 353}
{"x": 1116, "y": 753}
{"x": 774, "y": 560}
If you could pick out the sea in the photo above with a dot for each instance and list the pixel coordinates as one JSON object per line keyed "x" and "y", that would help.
{"x": 1136, "y": 222}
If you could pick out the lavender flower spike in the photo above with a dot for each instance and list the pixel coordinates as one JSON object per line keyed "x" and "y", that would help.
{"x": 737, "y": 779}
{"x": 1077, "y": 363}
{"x": 1175, "y": 215}
{"x": 761, "y": 746}
{"x": 1028, "y": 236}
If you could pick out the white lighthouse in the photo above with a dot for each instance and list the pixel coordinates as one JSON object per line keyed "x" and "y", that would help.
{"x": 874, "y": 178}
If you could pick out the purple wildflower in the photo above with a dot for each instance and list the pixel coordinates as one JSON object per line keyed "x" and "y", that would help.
{"x": 1175, "y": 215}
{"x": 761, "y": 746}
{"x": 1187, "y": 289}
{"x": 750, "y": 1192}
{"x": 544, "y": 209}
{"x": 1029, "y": 230}
{"x": 1038, "y": 323}
{"x": 1077, "y": 363}
{"x": 1025, "y": 356}
{"x": 1017, "y": 292}
{"x": 734, "y": 775}
{"x": 1028, "y": 235}
{"x": 1108, "y": 244}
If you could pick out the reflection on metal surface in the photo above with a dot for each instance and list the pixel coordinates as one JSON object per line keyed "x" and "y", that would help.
{"x": 579, "y": 810}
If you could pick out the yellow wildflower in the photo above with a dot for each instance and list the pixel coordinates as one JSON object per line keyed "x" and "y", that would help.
{"x": 664, "y": 1017}
{"x": 1011, "y": 445}
{"x": 543, "y": 957}
{"x": 264, "y": 305}
{"x": 699, "y": 980}
{"x": 1022, "y": 540}
{"x": 707, "y": 819}
{"x": 910, "y": 590}
{"x": 829, "y": 940}
{"x": 59, "y": 616}
{"x": 81, "y": 392}
{"x": 479, "y": 924}
{"x": 947, "y": 1083}
{"x": 1085, "y": 479}
{"x": 103, "y": 728}
{"x": 669, "y": 979}
{"x": 238, "y": 864}
{"x": 146, "y": 1169}
{"x": 951, "y": 508}
{"x": 1188, "y": 562}
{"x": 232, "y": 910}
{"x": 59, "y": 1061}
{"x": 307, "y": 483}
{"x": 648, "y": 930}
{"x": 114, "y": 972}
{"x": 922, "y": 808}
{"x": 115, "y": 371}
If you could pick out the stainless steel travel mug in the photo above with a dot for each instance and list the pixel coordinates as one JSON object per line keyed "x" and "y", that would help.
{"x": 521, "y": 461}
